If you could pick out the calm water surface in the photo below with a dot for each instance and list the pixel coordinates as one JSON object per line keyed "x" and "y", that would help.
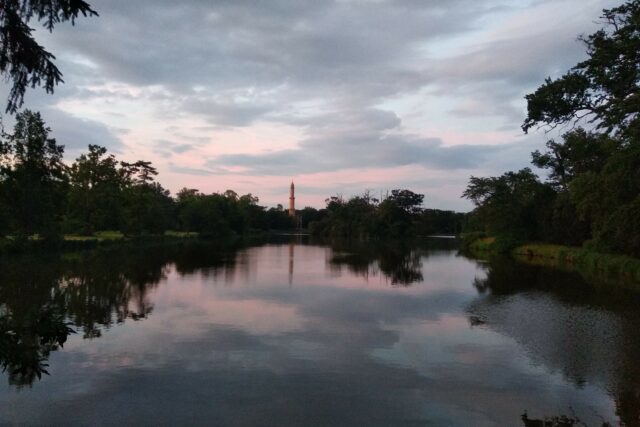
{"x": 292, "y": 333}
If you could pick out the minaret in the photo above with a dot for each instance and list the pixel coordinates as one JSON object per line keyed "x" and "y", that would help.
{"x": 292, "y": 201}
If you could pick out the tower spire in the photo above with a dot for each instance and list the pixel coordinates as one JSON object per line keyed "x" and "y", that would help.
{"x": 292, "y": 201}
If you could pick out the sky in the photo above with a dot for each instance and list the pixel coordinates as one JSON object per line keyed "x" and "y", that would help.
{"x": 340, "y": 96}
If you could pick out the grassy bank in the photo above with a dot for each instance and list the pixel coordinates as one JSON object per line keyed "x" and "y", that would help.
{"x": 102, "y": 236}
{"x": 9, "y": 245}
{"x": 116, "y": 239}
{"x": 591, "y": 265}
{"x": 482, "y": 245}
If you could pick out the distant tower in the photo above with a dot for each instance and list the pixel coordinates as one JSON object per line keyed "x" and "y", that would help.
{"x": 292, "y": 201}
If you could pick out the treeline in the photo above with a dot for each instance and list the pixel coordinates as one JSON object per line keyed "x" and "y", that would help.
{"x": 41, "y": 195}
{"x": 591, "y": 196}
{"x": 399, "y": 214}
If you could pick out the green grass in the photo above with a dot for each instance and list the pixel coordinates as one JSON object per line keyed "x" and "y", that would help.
{"x": 183, "y": 234}
{"x": 77, "y": 238}
{"x": 117, "y": 235}
{"x": 109, "y": 235}
{"x": 484, "y": 244}
{"x": 97, "y": 236}
{"x": 80, "y": 242}
{"x": 592, "y": 265}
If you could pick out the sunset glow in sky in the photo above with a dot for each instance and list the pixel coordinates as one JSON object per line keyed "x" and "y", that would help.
{"x": 341, "y": 96}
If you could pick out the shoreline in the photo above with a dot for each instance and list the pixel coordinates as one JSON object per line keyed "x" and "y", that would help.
{"x": 593, "y": 266}
{"x": 76, "y": 243}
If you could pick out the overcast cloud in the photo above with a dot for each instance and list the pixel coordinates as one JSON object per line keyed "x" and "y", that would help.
{"x": 334, "y": 94}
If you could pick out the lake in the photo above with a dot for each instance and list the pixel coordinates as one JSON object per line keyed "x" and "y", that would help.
{"x": 296, "y": 333}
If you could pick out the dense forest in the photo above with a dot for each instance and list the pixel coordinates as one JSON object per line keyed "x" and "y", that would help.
{"x": 41, "y": 195}
{"x": 398, "y": 214}
{"x": 591, "y": 195}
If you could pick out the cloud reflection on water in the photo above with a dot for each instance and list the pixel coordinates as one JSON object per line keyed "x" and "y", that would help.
{"x": 230, "y": 341}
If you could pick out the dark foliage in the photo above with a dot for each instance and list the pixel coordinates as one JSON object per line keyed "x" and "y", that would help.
{"x": 41, "y": 197}
{"x": 592, "y": 195}
{"x": 33, "y": 178}
{"x": 22, "y": 59}
{"x": 603, "y": 89}
{"x": 400, "y": 214}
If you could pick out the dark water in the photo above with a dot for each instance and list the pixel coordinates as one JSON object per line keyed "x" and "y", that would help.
{"x": 292, "y": 333}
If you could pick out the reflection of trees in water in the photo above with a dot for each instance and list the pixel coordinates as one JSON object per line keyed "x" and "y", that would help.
{"x": 591, "y": 334}
{"x": 400, "y": 263}
{"x": 27, "y": 339}
{"x": 107, "y": 289}
{"x": 43, "y": 299}
{"x": 211, "y": 260}
{"x": 556, "y": 421}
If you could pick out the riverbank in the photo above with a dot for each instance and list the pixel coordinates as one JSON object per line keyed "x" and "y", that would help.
{"x": 593, "y": 266}
{"x": 10, "y": 246}
{"x": 111, "y": 239}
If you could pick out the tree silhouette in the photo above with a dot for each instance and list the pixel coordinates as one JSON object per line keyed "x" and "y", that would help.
{"x": 33, "y": 176}
{"x": 604, "y": 88}
{"x": 22, "y": 59}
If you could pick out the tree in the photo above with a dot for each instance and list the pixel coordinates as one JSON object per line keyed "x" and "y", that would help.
{"x": 365, "y": 216}
{"x": 309, "y": 215}
{"x": 252, "y": 214}
{"x": 140, "y": 172}
{"x": 95, "y": 194}
{"x": 148, "y": 209}
{"x": 578, "y": 153}
{"x": 33, "y": 177}
{"x": 435, "y": 221}
{"x": 407, "y": 200}
{"x": 604, "y": 89}
{"x": 510, "y": 205}
{"x": 147, "y": 205}
{"x": 22, "y": 59}
{"x": 593, "y": 191}
{"x": 610, "y": 200}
